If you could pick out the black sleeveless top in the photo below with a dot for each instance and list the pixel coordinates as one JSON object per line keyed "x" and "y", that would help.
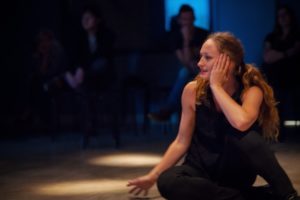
{"x": 211, "y": 130}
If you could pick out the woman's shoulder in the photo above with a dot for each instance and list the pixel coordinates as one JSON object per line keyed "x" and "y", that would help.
{"x": 190, "y": 90}
{"x": 191, "y": 86}
{"x": 189, "y": 95}
{"x": 254, "y": 88}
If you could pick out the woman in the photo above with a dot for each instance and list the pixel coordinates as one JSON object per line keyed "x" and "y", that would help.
{"x": 223, "y": 112}
{"x": 281, "y": 56}
{"x": 94, "y": 67}
{"x": 93, "y": 59}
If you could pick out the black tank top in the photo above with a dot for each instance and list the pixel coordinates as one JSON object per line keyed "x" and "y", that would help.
{"x": 211, "y": 128}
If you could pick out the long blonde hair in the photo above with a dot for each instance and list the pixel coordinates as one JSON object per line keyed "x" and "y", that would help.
{"x": 249, "y": 76}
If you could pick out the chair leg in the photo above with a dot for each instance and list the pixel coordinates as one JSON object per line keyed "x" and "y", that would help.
{"x": 146, "y": 110}
{"x": 56, "y": 119}
{"x": 116, "y": 130}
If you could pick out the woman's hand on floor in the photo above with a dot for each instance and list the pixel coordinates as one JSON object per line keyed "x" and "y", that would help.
{"x": 140, "y": 184}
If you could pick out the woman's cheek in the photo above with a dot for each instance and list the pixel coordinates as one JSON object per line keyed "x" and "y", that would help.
{"x": 210, "y": 66}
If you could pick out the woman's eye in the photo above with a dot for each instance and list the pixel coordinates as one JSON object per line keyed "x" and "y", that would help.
{"x": 206, "y": 57}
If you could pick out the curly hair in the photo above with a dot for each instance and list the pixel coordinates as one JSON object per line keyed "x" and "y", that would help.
{"x": 249, "y": 76}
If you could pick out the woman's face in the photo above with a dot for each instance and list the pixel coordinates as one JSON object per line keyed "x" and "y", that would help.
{"x": 88, "y": 21}
{"x": 283, "y": 17}
{"x": 209, "y": 54}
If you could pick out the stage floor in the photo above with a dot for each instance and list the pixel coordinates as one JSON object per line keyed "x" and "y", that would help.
{"x": 38, "y": 169}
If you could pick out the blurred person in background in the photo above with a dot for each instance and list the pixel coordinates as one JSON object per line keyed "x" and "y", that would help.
{"x": 281, "y": 57}
{"x": 92, "y": 66}
{"x": 185, "y": 41}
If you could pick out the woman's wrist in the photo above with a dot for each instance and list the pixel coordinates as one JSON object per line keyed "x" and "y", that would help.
{"x": 154, "y": 175}
{"x": 215, "y": 86}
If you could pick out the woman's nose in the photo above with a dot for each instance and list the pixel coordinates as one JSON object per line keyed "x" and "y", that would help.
{"x": 200, "y": 62}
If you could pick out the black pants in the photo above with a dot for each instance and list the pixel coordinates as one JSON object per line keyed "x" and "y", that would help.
{"x": 186, "y": 182}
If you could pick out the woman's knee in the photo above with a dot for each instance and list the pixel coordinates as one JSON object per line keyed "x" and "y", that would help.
{"x": 252, "y": 142}
{"x": 170, "y": 180}
{"x": 181, "y": 182}
{"x": 164, "y": 183}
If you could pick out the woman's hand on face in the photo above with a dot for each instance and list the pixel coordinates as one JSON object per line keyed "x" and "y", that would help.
{"x": 220, "y": 71}
{"x": 140, "y": 184}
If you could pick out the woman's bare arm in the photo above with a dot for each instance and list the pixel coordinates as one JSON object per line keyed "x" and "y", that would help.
{"x": 239, "y": 116}
{"x": 177, "y": 148}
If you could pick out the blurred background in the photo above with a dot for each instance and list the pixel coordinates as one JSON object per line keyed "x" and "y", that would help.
{"x": 45, "y": 114}
{"x": 140, "y": 47}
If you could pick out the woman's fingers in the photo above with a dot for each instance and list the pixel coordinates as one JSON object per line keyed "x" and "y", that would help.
{"x": 138, "y": 191}
{"x": 145, "y": 192}
{"x": 132, "y": 182}
{"x": 222, "y": 61}
{"x": 133, "y": 189}
{"x": 226, "y": 65}
{"x": 216, "y": 64}
{"x": 219, "y": 65}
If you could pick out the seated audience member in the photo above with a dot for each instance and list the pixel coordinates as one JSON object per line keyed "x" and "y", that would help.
{"x": 45, "y": 79}
{"x": 93, "y": 65}
{"x": 185, "y": 42}
{"x": 281, "y": 58}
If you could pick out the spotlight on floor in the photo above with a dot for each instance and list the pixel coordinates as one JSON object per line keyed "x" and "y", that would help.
{"x": 83, "y": 187}
{"x": 127, "y": 160}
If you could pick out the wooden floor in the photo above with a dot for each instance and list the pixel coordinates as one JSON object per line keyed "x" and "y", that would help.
{"x": 38, "y": 169}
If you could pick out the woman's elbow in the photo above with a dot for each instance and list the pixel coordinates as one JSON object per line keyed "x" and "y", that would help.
{"x": 243, "y": 125}
{"x": 181, "y": 145}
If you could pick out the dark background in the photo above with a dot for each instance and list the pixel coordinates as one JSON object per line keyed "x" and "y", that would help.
{"x": 138, "y": 24}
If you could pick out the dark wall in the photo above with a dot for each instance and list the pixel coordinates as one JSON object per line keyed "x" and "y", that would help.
{"x": 248, "y": 20}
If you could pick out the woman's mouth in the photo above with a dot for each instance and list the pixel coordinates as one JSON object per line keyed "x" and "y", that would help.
{"x": 203, "y": 71}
